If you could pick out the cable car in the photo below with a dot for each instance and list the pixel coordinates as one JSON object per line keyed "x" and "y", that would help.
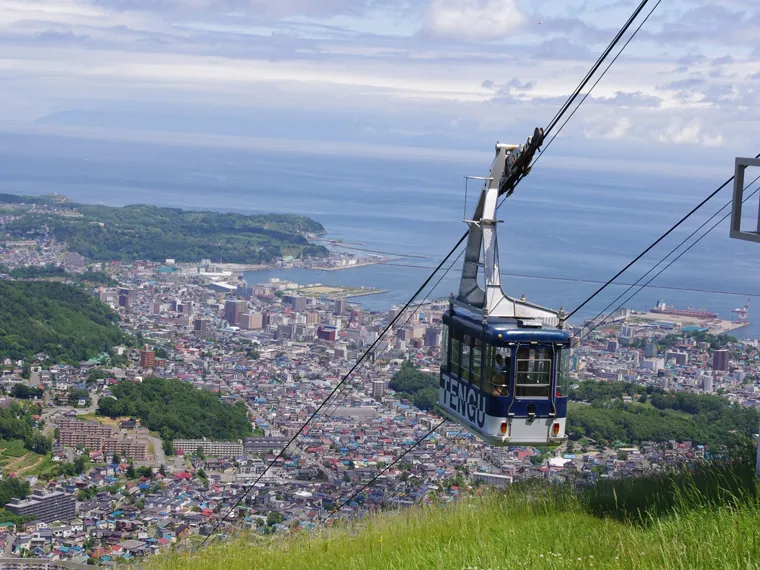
{"x": 504, "y": 370}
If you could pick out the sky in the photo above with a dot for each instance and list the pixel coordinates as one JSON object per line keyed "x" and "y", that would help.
{"x": 392, "y": 76}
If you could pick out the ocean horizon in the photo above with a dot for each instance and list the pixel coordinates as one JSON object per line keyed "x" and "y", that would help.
{"x": 571, "y": 224}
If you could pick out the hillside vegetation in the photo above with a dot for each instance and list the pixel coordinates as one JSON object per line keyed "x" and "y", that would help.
{"x": 177, "y": 409}
{"x": 60, "y": 320}
{"x": 103, "y": 233}
{"x": 706, "y": 519}
{"x": 655, "y": 415}
{"x": 420, "y": 388}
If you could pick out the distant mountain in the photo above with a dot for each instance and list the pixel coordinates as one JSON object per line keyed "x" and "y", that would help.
{"x": 60, "y": 320}
{"x": 104, "y": 233}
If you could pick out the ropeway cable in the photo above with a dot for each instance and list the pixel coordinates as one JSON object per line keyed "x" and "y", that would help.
{"x": 385, "y": 469}
{"x": 448, "y": 442}
{"x": 408, "y": 320}
{"x": 595, "y": 67}
{"x": 595, "y": 281}
{"x": 337, "y": 387}
{"x": 342, "y": 395}
{"x": 653, "y": 244}
{"x": 614, "y": 59}
{"x": 459, "y": 242}
{"x": 671, "y": 262}
{"x": 588, "y": 76}
{"x": 672, "y": 251}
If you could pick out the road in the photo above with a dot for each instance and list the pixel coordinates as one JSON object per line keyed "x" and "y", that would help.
{"x": 158, "y": 448}
{"x": 48, "y": 412}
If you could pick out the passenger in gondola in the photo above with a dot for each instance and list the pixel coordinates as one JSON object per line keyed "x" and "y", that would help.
{"x": 499, "y": 376}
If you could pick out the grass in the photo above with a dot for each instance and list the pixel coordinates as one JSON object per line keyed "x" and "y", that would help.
{"x": 15, "y": 458}
{"x": 11, "y": 449}
{"x": 706, "y": 518}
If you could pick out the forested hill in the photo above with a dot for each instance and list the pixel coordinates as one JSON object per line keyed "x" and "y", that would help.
{"x": 103, "y": 233}
{"x": 60, "y": 320}
{"x": 598, "y": 411}
{"x": 177, "y": 409}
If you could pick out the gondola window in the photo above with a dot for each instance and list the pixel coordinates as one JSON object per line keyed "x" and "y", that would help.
{"x": 534, "y": 372}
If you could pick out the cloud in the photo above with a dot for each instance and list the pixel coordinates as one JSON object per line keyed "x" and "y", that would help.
{"x": 691, "y": 59}
{"x": 257, "y": 9}
{"x": 691, "y": 132}
{"x": 635, "y": 99}
{"x": 472, "y": 20}
{"x": 561, "y": 48}
{"x": 618, "y": 129}
{"x": 722, "y": 60}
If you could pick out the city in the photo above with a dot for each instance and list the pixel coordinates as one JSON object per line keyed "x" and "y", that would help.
{"x": 281, "y": 353}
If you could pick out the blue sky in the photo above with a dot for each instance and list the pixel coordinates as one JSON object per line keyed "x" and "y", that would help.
{"x": 384, "y": 74}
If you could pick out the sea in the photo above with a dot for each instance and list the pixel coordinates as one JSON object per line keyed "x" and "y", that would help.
{"x": 563, "y": 229}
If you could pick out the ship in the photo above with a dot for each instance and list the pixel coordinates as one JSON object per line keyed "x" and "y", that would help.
{"x": 664, "y": 309}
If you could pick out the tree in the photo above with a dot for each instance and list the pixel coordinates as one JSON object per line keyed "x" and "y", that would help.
{"x": 130, "y": 473}
{"x": 199, "y": 453}
{"x": 76, "y": 394}
{"x": 12, "y": 488}
{"x": 24, "y": 392}
{"x": 116, "y": 459}
{"x": 162, "y": 470}
{"x": 79, "y": 465}
{"x": 177, "y": 409}
{"x": 145, "y": 472}
{"x": 274, "y": 517}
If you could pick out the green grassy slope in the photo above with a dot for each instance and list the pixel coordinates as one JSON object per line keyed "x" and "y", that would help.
{"x": 708, "y": 519}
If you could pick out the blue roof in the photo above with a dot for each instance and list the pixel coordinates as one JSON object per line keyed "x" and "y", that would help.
{"x": 503, "y": 331}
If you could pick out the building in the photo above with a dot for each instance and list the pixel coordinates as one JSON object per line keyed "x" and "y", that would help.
{"x": 378, "y": 389}
{"x": 612, "y": 346}
{"x": 720, "y": 360}
{"x": 251, "y": 321}
{"x": 73, "y": 261}
{"x": 211, "y": 448}
{"x": 127, "y": 297}
{"x": 432, "y": 337}
{"x": 327, "y": 332}
{"x": 707, "y": 383}
{"x": 297, "y": 302}
{"x": 94, "y": 436}
{"x": 680, "y": 358}
{"x": 40, "y": 564}
{"x": 200, "y": 326}
{"x": 492, "y": 479}
{"x": 233, "y": 310}
{"x": 47, "y": 507}
{"x": 340, "y": 307}
{"x": 650, "y": 350}
{"x": 653, "y": 364}
{"x": 244, "y": 291}
{"x": 147, "y": 358}
{"x": 264, "y": 444}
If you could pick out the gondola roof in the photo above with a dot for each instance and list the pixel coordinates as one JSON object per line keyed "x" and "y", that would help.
{"x": 499, "y": 331}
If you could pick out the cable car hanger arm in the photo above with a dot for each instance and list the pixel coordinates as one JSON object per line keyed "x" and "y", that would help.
{"x": 517, "y": 163}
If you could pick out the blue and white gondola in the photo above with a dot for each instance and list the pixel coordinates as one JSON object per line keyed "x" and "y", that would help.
{"x": 504, "y": 361}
